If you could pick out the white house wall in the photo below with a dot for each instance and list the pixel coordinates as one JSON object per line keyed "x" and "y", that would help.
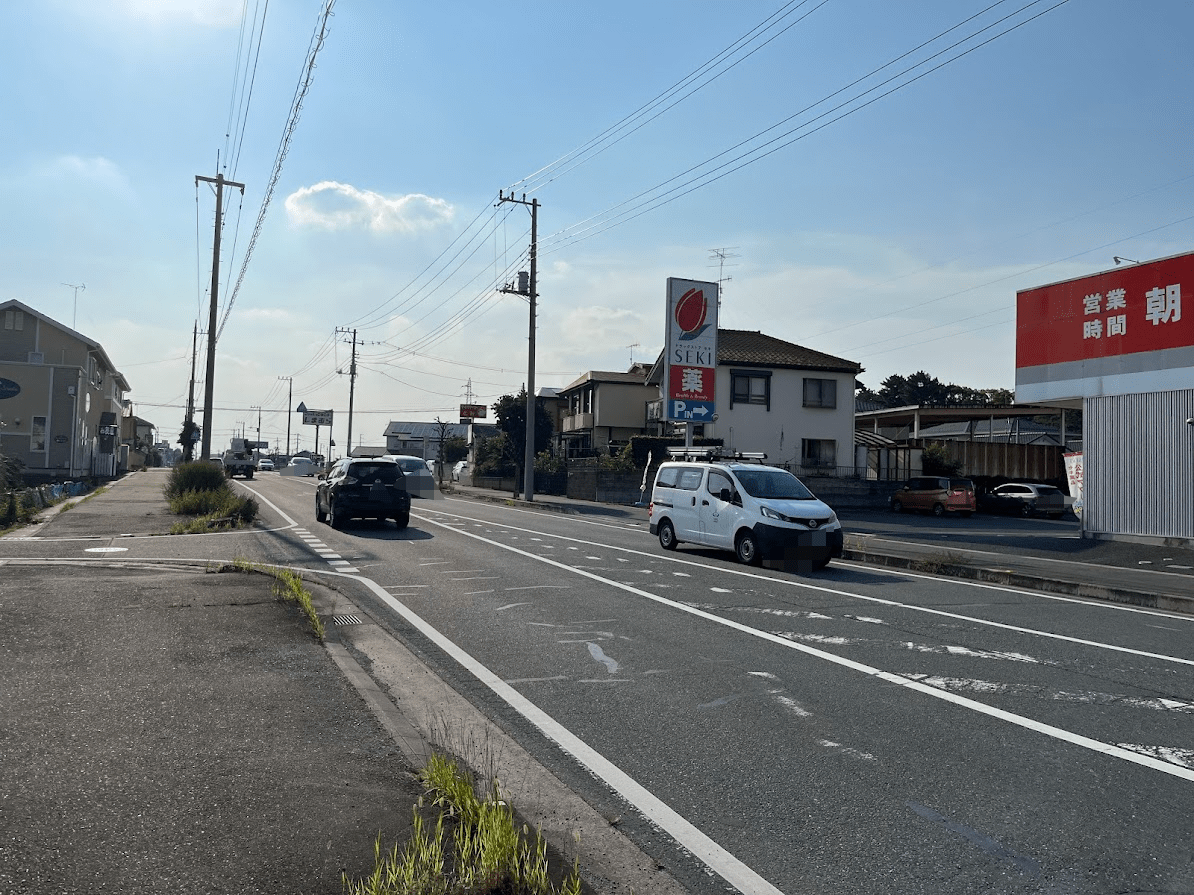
{"x": 778, "y": 432}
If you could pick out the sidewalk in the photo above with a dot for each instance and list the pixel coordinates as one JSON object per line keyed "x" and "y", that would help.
{"x": 1102, "y": 570}
{"x": 170, "y": 729}
{"x": 166, "y": 729}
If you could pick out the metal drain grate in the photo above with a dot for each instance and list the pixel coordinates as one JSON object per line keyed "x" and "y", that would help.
{"x": 346, "y": 620}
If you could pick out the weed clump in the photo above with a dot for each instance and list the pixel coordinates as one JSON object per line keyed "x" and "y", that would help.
{"x": 201, "y": 491}
{"x": 489, "y": 854}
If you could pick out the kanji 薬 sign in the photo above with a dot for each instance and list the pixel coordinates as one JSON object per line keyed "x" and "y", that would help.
{"x": 1117, "y": 332}
{"x": 690, "y": 354}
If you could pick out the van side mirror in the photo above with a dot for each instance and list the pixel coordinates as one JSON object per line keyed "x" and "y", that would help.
{"x": 726, "y": 495}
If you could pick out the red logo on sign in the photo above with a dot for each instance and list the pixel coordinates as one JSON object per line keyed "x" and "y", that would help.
{"x": 691, "y": 311}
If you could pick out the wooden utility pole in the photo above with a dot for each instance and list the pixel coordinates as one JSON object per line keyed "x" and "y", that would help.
{"x": 188, "y": 449}
{"x": 289, "y": 409}
{"x": 210, "y": 382}
{"x": 531, "y": 294}
{"x": 352, "y": 380}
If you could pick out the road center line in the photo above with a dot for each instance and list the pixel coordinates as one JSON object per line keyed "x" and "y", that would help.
{"x": 877, "y": 600}
{"x": 1049, "y": 730}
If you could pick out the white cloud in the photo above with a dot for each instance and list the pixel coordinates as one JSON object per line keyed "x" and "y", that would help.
{"x": 340, "y": 206}
{"x": 97, "y": 170}
{"x": 211, "y": 13}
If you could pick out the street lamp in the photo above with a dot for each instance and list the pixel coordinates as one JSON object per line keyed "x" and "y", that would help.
{"x": 1118, "y": 259}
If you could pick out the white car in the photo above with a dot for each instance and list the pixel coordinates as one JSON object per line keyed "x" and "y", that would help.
{"x": 265, "y": 466}
{"x": 419, "y": 480}
{"x": 762, "y": 513}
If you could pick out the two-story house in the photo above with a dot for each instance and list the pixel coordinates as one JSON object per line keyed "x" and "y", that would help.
{"x": 602, "y": 410}
{"x": 61, "y": 398}
{"x": 792, "y": 403}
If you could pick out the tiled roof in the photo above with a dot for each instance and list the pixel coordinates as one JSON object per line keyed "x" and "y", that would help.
{"x": 738, "y": 346}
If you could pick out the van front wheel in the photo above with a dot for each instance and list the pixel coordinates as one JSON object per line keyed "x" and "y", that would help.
{"x": 667, "y": 535}
{"x": 746, "y": 548}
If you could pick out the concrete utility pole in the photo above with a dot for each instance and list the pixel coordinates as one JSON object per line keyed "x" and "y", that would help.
{"x": 531, "y": 294}
{"x": 352, "y": 379}
{"x": 210, "y": 383}
{"x": 289, "y": 409}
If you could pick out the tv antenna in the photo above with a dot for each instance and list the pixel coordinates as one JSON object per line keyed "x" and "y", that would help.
{"x": 75, "y": 310}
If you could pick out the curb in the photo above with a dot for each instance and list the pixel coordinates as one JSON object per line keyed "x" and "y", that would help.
{"x": 1143, "y": 599}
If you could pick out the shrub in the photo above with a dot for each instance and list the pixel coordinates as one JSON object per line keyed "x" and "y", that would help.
{"x": 197, "y": 476}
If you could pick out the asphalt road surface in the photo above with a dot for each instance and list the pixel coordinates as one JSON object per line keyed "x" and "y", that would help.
{"x": 855, "y": 730}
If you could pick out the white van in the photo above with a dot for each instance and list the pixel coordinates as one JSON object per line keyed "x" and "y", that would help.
{"x": 762, "y": 513}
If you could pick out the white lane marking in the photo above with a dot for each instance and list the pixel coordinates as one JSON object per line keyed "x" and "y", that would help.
{"x": 510, "y": 606}
{"x": 762, "y": 610}
{"x": 730, "y": 570}
{"x": 939, "y": 649}
{"x": 846, "y": 750}
{"x": 721, "y": 590}
{"x": 792, "y": 706}
{"x": 536, "y": 680}
{"x": 476, "y": 593}
{"x": 1152, "y": 703}
{"x": 541, "y": 587}
{"x": 599, "y": 655}
{"x": 105, "y": 549}
{"x": 1182, "y": 757}
{"x": 687, "y": 835}
{"x": 879, "y": 674}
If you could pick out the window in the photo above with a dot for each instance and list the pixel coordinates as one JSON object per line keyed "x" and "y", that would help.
{"x": 820, "y": 393}
{"x": 37, "y": 435}
{"x": 720, "y": 485}
{"x": 818, "y": 452}
{"x": 14, "y": 319}
{"x": 750, "y": 387}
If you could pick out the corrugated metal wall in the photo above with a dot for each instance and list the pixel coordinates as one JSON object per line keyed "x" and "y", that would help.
{"x": 1139, "y": 465}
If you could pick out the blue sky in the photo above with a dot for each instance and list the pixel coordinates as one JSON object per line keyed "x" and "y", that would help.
{"x": 895, "y": 236}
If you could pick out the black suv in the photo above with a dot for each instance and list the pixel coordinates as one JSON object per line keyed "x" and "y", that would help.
{"x": 363, "y": 488}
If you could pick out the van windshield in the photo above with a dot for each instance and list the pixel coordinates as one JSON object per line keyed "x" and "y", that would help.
{"x": 773, "y": 483}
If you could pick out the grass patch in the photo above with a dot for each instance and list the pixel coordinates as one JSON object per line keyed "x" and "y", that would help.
{"x": 938, "y": 563}
{"x": 485, "y": 852}
{"x": 201, "y": 491}
{"x": 288, "y": 588}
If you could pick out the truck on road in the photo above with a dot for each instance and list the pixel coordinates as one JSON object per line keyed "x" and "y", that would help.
{"x": 239, "y": 459}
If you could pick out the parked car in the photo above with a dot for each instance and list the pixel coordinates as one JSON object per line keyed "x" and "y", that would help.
{"x": 1025, "y": 499}
{"x": 420, "y": 481}
{"x": 265, "y": 465}
{"x": 459, "y": 470}
{"x": 935, "y": 494}
{"x": 363, "y": 488}
{"x": 762, "y": 513}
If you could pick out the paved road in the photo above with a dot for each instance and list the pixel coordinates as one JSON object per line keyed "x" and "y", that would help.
{"x": 849, "y": 731}
{"x": 856, "y": 730}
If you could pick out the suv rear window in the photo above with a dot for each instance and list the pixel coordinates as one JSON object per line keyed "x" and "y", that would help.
{"x": 369, "y": 473}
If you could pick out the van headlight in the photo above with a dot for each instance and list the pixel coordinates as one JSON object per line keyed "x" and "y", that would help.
{"x": 769, "y": 513}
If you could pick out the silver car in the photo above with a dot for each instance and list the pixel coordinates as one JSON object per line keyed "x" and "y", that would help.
{"x": 419, "y": 480}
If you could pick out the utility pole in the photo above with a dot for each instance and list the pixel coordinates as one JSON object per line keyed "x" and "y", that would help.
{"x": 352, "y": 380}
{"x": 210, "y": 384}
{"x": 188, "y": 449}
{"x": 289, "y": 409}
{"x": 529, "y": 291}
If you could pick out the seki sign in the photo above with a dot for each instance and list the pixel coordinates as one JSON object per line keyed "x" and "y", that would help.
{"x": 690, "y": 355}
{"x": 1114, "y": 332}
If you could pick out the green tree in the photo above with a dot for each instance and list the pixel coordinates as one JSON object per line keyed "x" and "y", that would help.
{"x": 455, "y": 450}
{"x": 511, "y": 414}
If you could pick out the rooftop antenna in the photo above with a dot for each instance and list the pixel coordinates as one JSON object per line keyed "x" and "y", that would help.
{"x": 722, "y": 256}
{"x": 632, "y": 347}
{"x": 75, "y": 311}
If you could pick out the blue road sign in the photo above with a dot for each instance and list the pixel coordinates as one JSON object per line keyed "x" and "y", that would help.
{"x": 691, "y": 411}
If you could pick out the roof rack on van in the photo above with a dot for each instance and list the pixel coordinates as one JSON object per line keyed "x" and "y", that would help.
{"x": 714, "y": 453}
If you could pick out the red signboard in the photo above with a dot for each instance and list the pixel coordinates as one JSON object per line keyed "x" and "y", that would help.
{"x": 1127, "y": 310}
{"x": 691, "y": 383}
{"x": 472, "y": 411}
